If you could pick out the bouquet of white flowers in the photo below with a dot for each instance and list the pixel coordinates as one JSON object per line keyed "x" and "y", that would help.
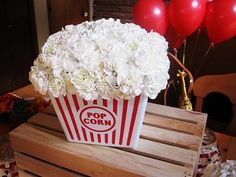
{"x": 102, "y": 58}
{"x": 99, "y": 75}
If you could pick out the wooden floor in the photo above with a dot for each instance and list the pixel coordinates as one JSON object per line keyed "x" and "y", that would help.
{"x": 169, "y": 146}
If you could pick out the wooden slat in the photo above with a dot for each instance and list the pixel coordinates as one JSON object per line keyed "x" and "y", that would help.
{"x": 46, "y": 121}
{"x": 170, "y": 137}
{"x": 176, "y": 125}
{"x": 50, "y": 110}
{"x": 27, "y": 91}
{"x": 175, "y": 113}
{"x": 165, "y": 152}
{"x": 41, "y": 168}
{"x": 23, "y": 173}
{"x": 86, "y": 158}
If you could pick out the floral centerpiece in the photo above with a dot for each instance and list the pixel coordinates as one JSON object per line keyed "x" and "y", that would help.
{"x": 102, "y": 63}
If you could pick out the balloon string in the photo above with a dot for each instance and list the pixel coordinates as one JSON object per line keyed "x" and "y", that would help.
{"x": 194, "y": 48}
{"x": 175, "y": 52}
{"x": 184, "y": 51}
{"x": 203, "y": 60}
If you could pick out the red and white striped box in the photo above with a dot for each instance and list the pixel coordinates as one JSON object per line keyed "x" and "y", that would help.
{"x": 115, "y": 122}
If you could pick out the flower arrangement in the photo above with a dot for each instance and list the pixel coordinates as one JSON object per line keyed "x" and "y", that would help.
{"x": 102, "y": 58}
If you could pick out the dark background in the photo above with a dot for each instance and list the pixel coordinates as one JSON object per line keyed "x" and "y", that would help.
{"x": 18, "y": 35}
{"x": 18, "y": 43}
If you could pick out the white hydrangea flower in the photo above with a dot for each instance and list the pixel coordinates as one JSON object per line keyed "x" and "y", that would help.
{"x": 102, "y": 58}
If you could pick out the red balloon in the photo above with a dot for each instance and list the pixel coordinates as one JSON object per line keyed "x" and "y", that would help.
{"x": 208, "y": 15}
{"x": 220, "y": 20}
{"x": 151, "y": 15}
{"x": 174, "y": 39}
{"x": 186, "y": 15}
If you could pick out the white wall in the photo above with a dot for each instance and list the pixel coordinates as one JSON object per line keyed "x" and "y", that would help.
{"x": 41, "y": 20}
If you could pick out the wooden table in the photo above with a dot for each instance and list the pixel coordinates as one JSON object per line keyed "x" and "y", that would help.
{"x": 169, "y": 146}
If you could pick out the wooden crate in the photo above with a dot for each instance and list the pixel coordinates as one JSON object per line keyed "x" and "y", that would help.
{"x": 169, "y": 146}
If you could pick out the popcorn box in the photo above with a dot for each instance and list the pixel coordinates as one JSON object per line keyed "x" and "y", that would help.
{"x": 115, "y": 122}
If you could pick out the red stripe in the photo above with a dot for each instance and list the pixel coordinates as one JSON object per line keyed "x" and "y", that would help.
{"x": 84, "y": 133}
{"x": 133, "y": 118}
{"x": 124, "y": 112}
{"x": 64, "y": 117}
{"x": 91, "y": 136}
{"x": 85, "y": 102}
{"x": 99, "y": 138}
{"x": 114, "y": 137}
{"x": 115, "y": 106}
{"x": 95, "y": 101}
{"x": 106, "y": 138}
{"x": 75, "y": 102}
{"x": 72, "y": 116}
{"x": 104, "y": 102}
